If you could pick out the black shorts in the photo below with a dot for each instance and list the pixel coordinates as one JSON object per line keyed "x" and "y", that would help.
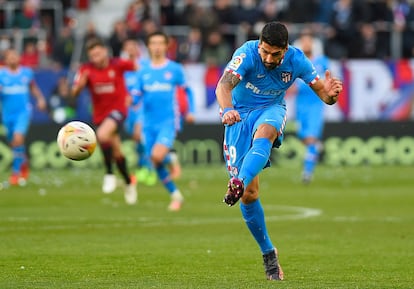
{"x": 118, "y": 117}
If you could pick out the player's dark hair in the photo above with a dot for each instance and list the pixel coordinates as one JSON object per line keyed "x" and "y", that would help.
{"x": 156, "y": 33}
{"x": 94, "y": 42}
{"x": 275, "y": 34}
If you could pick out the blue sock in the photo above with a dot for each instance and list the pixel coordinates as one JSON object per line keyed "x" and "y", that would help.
{"x": 164, "y": 176}
{"x": 254, "y": 217}
{"x": 18, "y": 158}
{"x": 311, "y": 159}
{"x": 255, "y": 160}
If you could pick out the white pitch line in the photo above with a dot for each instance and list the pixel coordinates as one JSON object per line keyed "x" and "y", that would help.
{"x": 292, "y": 213}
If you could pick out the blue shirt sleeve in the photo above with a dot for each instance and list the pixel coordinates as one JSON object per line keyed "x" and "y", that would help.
{"x": 241, "y": 62}
{"x": 308, "y": 72}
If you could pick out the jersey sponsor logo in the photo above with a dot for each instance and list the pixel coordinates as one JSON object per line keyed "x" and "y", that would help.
{"x": 274, "y": 92}
{"x": 102, "y": 88}
{"x": 261, "y": 75}
{"x": 286, "y": 76}
{"x": 15, "y": 89}
{"x": 158, "y": 86}
{"x": 235, "y": 63}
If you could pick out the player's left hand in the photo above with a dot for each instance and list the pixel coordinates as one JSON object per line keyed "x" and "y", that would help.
{"x": 332, "y": 86}
{"x": 41, "y": 104}
{"x": 189, "y": 118}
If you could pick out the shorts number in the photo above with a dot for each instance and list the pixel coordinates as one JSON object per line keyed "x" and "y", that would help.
{"x": 233, "y": 154}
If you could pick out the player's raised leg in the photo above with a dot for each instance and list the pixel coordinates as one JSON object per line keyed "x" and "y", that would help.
{"x": 255, "y": 160}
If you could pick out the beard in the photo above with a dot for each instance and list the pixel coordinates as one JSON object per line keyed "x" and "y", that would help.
{"x": 270, "y": 66}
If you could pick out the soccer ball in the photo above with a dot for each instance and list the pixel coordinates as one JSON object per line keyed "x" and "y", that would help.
{"x": 76, "y": 140}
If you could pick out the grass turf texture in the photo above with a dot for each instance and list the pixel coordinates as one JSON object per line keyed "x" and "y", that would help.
{"x": 351, "y": 228}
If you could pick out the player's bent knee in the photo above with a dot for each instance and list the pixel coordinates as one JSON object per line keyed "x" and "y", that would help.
{"x": 249, "y": 196}
{"x": 17, "y": 140}
{"x": 156, "y": 159}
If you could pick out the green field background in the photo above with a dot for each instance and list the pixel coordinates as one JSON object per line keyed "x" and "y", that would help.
{"x": 353, "y": 227}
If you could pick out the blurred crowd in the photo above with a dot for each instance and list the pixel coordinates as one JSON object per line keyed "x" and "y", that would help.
{"x": 212, "y": 28}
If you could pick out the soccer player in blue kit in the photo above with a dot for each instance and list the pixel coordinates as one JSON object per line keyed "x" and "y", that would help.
{"x": 16, "y": 86}
{"x": 133, "y": 122}
{"x": 158, "y": 82}
{"x": 309, "y": 109}
{"x": 251, "y": 97}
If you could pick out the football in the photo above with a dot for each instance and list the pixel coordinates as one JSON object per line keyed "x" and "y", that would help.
{"x": 76, "y": 140}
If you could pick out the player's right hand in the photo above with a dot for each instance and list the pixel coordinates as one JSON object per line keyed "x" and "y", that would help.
{"x": 230, "y": 117}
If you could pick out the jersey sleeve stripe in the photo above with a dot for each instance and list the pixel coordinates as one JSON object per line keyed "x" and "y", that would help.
{"x": 234, "y": 73}
{"x": 314, "y": 80}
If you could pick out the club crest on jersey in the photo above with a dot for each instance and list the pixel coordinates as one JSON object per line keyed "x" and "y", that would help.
{"x": 235, "y": 63}
{"x": 286, "y": 76}
{"x": 167, "y": 75}
{"x": 111, "y": 73}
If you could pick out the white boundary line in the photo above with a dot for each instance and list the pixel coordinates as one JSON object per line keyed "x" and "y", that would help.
{"x": 293, "y": 213}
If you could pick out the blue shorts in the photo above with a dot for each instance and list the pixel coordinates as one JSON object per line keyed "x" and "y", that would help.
{"x": 134, "y": 117}
{"x": 163, "y": 134}
{"x": 310, "y": 122}
{"x": 238, "y": 138}
{"x": 19, "y": 123}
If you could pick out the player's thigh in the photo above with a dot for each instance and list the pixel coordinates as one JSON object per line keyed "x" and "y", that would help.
{"x": 274, "y": 116}
{"x": 159, "y": 152}
{"x": 129, "y": 122}
{"x": 137, "y": 131}
{"x": 106, "y": 129}
{"x": 311, "y": 124}
{"x": 237, "y": 142}
{"x": 148, "y": 139}
{"x": 19, "y": 128}
{"x": 164, "y": 142}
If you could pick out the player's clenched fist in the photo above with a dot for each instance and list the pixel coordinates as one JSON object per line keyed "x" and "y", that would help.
{"x": 230, "y": 116}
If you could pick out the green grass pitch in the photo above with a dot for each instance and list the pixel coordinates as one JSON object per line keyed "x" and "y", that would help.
{"x": 353, "y": 227}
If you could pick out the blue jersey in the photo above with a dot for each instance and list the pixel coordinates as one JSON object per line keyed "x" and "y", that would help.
{"x": 131, "y": 80}
{"x": 261, "y": 87}
{"x": 157, "y": 86}
{"x": 309, "y": 107}
{"x": 15, "y": 91}
{"x": 305, "y": 96}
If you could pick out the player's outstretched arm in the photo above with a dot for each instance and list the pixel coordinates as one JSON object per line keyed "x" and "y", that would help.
{"x": 80, "y": 81}
{"x": 223, "y": 92}
{"x": 37, "y": 93}
{"x": 328, "y": 89}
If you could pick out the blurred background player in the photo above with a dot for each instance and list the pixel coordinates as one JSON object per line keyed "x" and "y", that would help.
{"x": 16, "y": 85}
{"x": 309, "y": 108}
{"x": 104, "y": 77}
{"x": 186, "y": 109}
{"x": 133, "y": 123}
{"x": 158, "y": 81}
